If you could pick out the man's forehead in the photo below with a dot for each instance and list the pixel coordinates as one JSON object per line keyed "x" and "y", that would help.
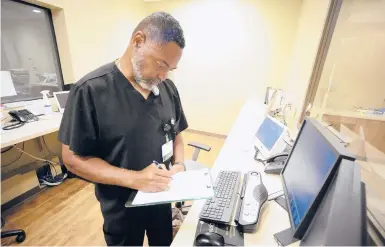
{"x": 155, "y": 46}
{"x": 169, "y": 50}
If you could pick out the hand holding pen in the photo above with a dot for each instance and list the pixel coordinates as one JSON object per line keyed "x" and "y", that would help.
{"x": 153, "y": 178}
{"x": 160, "y": 166}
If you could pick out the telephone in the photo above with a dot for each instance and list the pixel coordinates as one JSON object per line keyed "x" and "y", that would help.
{"x": 275, "y": 163}
{"x": 23, "y": 116}
{"x": 276, "y": 156}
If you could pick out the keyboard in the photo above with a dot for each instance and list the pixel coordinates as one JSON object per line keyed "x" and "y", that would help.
{"x": 219, "y": 209}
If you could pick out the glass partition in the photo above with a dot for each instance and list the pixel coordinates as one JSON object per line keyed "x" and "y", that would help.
{"x": 350, "y": 97}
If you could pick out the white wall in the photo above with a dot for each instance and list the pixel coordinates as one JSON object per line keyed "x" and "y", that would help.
{"x": 96, "y": 31}
{"x": 234, "y": 49}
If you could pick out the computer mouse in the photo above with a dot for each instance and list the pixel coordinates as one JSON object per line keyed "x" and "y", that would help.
{"x": 209, "y": 239}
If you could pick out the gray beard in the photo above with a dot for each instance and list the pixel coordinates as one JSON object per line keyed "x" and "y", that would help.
{"x": 143, "y": 83}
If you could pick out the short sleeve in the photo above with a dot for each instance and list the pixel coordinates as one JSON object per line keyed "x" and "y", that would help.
{"x": 79, "y": 128}
{"x": 181, "y": 121}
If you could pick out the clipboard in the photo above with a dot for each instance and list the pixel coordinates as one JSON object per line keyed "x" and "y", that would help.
{"x": 185, "y": 186}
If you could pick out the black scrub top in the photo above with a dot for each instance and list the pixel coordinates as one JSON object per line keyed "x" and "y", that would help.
{"x": 106, "y": 117}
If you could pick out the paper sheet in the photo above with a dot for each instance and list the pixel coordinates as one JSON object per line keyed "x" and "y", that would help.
{"x": 189, "y": 185}
{"x": 7, "y": 87}
{"x": 37, "y": 108}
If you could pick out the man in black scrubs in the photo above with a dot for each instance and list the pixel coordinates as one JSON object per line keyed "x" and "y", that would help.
{"x": 119, "y": 119}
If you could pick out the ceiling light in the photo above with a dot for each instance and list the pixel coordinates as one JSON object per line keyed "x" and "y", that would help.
{"x": 36, "y": 11}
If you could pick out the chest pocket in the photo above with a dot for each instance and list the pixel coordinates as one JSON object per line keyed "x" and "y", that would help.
{"x": 167, "y": 115}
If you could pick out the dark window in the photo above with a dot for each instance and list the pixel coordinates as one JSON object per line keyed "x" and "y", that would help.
{"x": 29, "y": 57}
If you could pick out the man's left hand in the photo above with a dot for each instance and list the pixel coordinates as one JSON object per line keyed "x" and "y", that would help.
{"x": 177, "y": 168}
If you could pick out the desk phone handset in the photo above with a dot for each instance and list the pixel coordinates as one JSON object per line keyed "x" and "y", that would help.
{"x": 23, "y": 116}
{"x": 277, "y": 157}
{"x": 252, "y": 198}
{"x": 275, "y": 163}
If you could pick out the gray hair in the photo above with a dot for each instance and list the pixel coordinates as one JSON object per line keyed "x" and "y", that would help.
{"x": 162, "y": 27}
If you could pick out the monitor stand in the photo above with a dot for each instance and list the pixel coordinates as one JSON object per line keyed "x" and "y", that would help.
{"x": 285, "y": 237}
{"x": 281, "y": 202}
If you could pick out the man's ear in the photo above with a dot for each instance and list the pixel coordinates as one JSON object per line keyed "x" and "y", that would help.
{"x": 138, "y": 39}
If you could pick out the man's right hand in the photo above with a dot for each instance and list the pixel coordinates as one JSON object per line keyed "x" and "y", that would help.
{"x": 152, "y": 179}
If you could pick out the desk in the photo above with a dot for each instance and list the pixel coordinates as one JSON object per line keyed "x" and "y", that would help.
{"x": 354, "y": 114}
{"x": 372, "y": 125}
{"x": 47, "y": 124}
{"x": 14, "y": 186}
{"x": 238, "y": 154}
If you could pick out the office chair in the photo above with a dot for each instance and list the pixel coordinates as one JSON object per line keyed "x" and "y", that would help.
{"x": 193, "y": 164}
{"x": 178, "y": 214}
{"x": 19, "y": 233}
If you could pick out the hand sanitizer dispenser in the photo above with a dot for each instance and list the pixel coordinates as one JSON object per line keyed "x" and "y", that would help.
{"x": 46, "y": 102}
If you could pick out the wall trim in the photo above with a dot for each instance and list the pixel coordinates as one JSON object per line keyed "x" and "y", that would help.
{"x": 206, "y": 133}
{"x": 21, "y": 198}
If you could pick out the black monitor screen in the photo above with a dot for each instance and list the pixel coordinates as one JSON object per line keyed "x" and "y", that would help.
{"x": 309, "y": 164}
{"x": 269, "y": 132}
{"x": 62, "y": 98}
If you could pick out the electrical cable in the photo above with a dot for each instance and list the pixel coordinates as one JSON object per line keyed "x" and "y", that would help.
{"x": 256, "y": 157}
{"x": 50, "y": 152}
{"x": 36, "y": 158}
{"x": 287, "y": 143}
{"x": 53, "y": 169}
{"x": 46, "y": 146}
{"x": 51, "y": 163}
{"x": 284, "y": 113}
{"x": 261, "y": 160}
{"x": 13, "y": 126}
{"x": 46, "y": 158}
{"x": 290, "y": 139}
{"x": 21, "y": 154}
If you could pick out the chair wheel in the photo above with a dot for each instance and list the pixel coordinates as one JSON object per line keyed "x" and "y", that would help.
{"x": 21, "y": 237}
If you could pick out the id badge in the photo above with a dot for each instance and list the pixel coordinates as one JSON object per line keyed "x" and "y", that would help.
{"x": 167, "y": 150}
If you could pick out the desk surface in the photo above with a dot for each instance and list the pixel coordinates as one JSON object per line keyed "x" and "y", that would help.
{"x": 238, "y": 154}
{"x": 354, "y": 114}
{"x": 46, "y": 124}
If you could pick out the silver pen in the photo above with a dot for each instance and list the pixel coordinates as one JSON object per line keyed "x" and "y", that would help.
{"x": 157, "y": 164}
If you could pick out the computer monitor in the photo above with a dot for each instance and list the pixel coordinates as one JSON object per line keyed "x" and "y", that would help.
{"x": 61, "y": 99}
{"x": 341, "y": 218}
{"x": 308, "y": 171}
{"x": 269, "y": 137}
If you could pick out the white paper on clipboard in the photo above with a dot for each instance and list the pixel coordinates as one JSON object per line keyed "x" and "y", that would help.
{"x": 189, "y": 185}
